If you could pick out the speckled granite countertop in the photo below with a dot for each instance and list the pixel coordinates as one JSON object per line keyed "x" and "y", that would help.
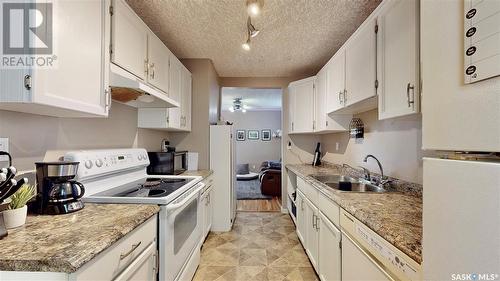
{"x": 64, "y": 243}
{"x": 202, "y": 173}
{"x": 395, "y": 216}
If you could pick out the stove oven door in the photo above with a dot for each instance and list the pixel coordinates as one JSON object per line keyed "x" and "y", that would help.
{"x": 180, "y": 232}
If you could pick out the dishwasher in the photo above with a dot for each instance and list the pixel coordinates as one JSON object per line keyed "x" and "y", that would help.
{"x": 367, "y": 256}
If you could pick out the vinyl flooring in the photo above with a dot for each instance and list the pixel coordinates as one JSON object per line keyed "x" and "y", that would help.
{"x": 261, "y": 246}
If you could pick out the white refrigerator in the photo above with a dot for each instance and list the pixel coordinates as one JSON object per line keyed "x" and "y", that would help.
{"x": 461, "y": 129}
{"x": 222, "y": 163}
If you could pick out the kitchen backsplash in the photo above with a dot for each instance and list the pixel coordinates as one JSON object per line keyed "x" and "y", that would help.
{"x": 38, "y": 134}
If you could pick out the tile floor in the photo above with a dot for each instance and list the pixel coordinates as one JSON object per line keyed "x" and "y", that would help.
{"x": 261, "y": 246}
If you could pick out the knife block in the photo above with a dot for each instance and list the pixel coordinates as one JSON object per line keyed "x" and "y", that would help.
{"x": 3, "y": 229}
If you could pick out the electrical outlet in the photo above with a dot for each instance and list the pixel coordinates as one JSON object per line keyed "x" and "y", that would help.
{"x": 4, "y": 146}
{"x": 337, "y": 146}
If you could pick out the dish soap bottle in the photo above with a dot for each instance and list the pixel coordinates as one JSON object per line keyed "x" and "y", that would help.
{"x": 317, "y": 156}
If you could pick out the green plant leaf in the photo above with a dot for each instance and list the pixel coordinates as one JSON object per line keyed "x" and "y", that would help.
{"x": 22, "y": 196}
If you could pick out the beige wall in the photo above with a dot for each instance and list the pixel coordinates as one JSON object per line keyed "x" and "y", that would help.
{"x": 302, "y": 149}
{"x": 204, "y": 110}
{"x": 395, "y": 142}
{"x": 30, "y": 136}
{"x": 254, "y": 152}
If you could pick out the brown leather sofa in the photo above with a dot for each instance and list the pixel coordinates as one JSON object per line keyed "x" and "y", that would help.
{"x": 270, "y": 179}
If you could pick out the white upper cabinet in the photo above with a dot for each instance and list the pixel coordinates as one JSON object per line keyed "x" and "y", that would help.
{"x": 129, "y": 40}
{"x": 158, "y": 60}
{"x": 175, "y": 78}
{"x": 336, "y": 81}
{"x": 398, "y": 59}
{"x": 186, "y": 99}
{"x": 77, "y": 84}
{"x": 323, "y": 123}
{"x": 320, "y": 116}
{"x": 301, "y": 94}
{"x": 174, "y": 90}
{"x": 360, "y": 67}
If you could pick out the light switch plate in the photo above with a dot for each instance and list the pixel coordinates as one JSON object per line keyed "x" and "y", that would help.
{"x": 4, "y": 146}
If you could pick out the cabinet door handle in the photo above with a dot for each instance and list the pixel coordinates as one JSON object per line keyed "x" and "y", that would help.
{"x": 152, "y": 66}
{"x": 409, "y": 87}
{"x": 302, "y": 205}
{"x": 134, "y": 247}
{"x": 344, "y": 100}
{"x": 107, "y": 95}
{"x": 314, "y": 221}
{"x": 317, "y": 223}
{"x": 340, "y": 97}
{"x": 146, "y": 67}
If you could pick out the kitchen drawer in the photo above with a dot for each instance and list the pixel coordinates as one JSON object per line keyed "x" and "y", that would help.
{"x": 330, "y": 209}
{"x": 309, "y": 191}
{"x": 110, "y": 263}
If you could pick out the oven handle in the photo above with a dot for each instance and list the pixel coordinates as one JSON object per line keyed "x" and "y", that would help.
{"x": 197, "y": 189}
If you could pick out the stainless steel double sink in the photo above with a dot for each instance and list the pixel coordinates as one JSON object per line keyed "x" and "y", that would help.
{"x": 345, "y": 183}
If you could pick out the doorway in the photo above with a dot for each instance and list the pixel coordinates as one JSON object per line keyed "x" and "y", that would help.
{"x": 256, "y": 115}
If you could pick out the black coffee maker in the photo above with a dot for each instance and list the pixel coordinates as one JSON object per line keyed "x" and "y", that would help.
{"x": 58, "y": 193}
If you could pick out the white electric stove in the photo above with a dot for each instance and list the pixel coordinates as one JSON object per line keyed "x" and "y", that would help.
{"x": 119, "y": 176}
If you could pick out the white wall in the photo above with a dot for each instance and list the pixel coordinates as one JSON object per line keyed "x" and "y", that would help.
{"x": 254, "y": 152}
{"x": 30, "y": 136}
{"x": 395, "y": 142}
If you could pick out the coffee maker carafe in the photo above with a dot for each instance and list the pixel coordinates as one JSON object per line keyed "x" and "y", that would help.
{"x": 58, "y": 193}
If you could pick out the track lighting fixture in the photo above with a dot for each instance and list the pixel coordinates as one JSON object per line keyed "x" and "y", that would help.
{"x": 252, "y": 31}
{"x": 254, "y": 7}
{"x": 246, "y": 45}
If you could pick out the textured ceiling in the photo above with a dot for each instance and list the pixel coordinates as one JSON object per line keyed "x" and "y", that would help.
{"x": 297, "y": 36}
{"x": 253, "y": 99}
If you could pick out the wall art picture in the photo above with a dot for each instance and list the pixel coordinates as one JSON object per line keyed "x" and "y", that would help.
{"x": 266, "y": 135}
{"x": 240, "y": 135}
{"x": 253, "y": 134}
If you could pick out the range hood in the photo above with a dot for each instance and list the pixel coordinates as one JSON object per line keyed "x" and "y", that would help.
{"x": 130, "y": 90}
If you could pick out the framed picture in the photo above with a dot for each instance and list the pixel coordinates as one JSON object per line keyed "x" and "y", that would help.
{"x": 253, "y": 134}
{"x": 240, "y": 135}
{"x": 266, "y": 135}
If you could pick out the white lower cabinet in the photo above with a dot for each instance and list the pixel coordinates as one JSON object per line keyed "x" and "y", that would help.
{"x": 329, "y": 255}
{"x": 312, "y": 232}
{"x": 301, "y": 218}
{"x": 318, "y": 234}
{"x": 340, "y": 247}
{"x": 206, "y": 208}
{"x": 143, "y": 267}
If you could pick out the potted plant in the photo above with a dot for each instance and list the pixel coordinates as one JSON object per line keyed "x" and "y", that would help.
{"x": 15, "y": 216}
